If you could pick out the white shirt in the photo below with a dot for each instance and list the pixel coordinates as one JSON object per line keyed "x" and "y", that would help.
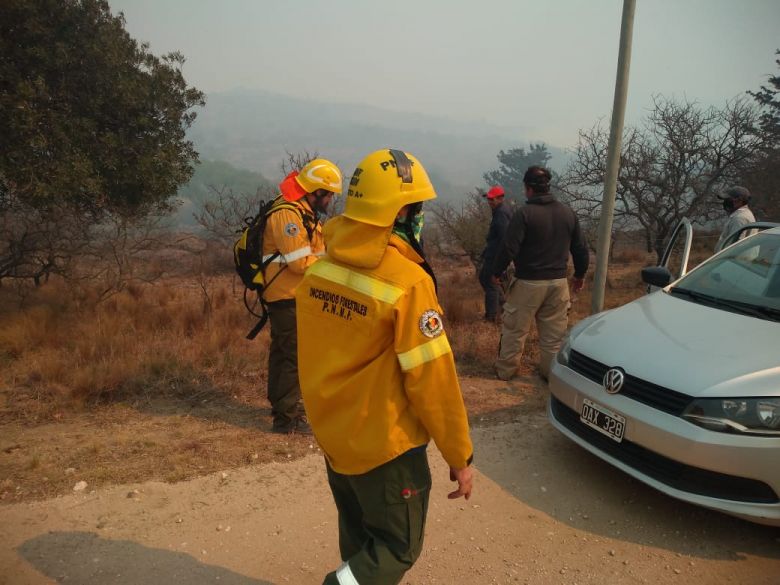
{"x": 738, "y": 218}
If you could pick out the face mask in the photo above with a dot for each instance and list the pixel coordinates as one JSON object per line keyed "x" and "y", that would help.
{"x": 418, "y": 220}
{"x": 411, "y": 225}
{"x": 728, "y": 205}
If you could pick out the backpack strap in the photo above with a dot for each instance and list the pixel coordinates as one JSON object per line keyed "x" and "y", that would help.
{"x": 260, "y": 324}
{"x": 309, "y": 220}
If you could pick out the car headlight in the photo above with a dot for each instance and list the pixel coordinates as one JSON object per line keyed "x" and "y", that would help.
{"x": 752, "y": 416}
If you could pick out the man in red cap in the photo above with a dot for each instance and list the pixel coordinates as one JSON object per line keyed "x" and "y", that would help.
{"x": 502, "y": 213}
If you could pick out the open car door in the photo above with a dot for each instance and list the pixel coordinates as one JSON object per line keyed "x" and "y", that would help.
{"x": 674, "y": 262}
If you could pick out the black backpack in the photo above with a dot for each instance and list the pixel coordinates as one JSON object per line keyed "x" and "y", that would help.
{"x": 248, "y": 255}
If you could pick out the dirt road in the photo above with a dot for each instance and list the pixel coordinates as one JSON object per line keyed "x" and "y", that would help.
{"x": 543, "y": 511}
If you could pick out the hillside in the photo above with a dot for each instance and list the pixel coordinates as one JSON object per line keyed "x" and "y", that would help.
{"x": 252, "y": 130}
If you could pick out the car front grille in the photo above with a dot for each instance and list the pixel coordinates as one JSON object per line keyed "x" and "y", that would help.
{"x": 677, "y": 475}
{"x": 658, "y": 397}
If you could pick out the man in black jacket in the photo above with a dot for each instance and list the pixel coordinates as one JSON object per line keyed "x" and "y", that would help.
{"x": 500, "y": 220}
{"x": 539, "y": 239}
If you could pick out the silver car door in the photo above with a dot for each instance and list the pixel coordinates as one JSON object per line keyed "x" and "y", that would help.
{"x": 678, "y": 250}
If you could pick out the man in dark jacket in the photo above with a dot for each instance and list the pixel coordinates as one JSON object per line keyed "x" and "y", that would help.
{"x": 539, "y": 239}
{"x": 498, "y": 224}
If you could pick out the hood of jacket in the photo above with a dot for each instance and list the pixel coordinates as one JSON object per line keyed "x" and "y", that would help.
{"x": 362, "y": 245}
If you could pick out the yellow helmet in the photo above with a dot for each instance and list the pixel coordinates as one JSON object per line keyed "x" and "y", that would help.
{"x": 319, "y": 174}
{"x": 383, "y": 183}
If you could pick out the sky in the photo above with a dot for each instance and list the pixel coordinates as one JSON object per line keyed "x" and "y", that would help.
{"x": 547, "y": 66}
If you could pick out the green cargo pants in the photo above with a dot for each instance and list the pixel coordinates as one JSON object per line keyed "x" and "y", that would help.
{"x": 381, "y": 520}
{"x": 284, "y": 391}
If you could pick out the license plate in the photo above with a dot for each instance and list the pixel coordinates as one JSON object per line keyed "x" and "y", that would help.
{"x": 603, "y": 420}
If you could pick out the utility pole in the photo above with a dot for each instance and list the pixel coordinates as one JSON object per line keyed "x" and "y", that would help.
{"x": 613, "y": 157}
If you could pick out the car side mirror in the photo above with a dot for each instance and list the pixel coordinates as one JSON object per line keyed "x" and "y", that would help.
{"x": 656, "y": 276}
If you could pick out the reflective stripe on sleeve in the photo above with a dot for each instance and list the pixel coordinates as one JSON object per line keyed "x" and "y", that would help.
{"x": 424, "y": 353}
{"x": 290, "y": 256}
{"x": 345, "y": 576}
{"x": 361, "y": 283}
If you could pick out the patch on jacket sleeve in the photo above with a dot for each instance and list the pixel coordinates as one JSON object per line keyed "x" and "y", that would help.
{"x": 291, "y": 229}
{"x": 431, "y": 324}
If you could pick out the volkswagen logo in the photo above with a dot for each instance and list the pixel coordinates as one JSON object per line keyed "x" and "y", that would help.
{"x": 613, "y": 380}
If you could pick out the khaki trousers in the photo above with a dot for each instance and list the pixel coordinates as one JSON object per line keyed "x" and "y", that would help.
{"x": 546, "y": 302}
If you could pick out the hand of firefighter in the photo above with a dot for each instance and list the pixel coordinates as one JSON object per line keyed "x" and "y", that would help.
{"x": 464, "y": 478}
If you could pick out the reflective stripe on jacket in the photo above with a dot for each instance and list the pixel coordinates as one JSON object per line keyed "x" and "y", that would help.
{"x": 285, "y": 233}
{"x": 376, "y": 370}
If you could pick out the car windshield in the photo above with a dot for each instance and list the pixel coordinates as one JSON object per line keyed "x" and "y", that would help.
{"x": 744, "y": 278}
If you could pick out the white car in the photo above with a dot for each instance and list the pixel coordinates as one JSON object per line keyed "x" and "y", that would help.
{"x": 681, "y": 388}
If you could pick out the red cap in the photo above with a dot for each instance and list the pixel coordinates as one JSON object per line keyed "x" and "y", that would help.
{"x": 496, "y": 191}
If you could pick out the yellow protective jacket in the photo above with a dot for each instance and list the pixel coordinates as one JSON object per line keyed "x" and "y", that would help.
{"x": 376, "y": 370}
{"x": 286, "y": 232}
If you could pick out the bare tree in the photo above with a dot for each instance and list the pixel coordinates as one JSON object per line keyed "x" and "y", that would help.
{"x": 36, "y": 242}
{"x": 295, "y": 161}
{"x": 462, "y": 229}
{"x": 225, "y": 213}
{"x": 672, "y": 166}
{"x": 126, "y": 249}
{"x": 120, "y": 249}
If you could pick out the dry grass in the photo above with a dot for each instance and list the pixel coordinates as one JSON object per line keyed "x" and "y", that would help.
{"x": 632, "y": 255}
{"x": 60, "y": 351}
{"x": 475, "y": 342}
{"x": 158, "y": 382}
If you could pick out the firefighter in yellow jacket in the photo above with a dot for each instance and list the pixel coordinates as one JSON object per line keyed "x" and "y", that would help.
{"x": 292, "y": 242}
{"x": 383, "y": 381}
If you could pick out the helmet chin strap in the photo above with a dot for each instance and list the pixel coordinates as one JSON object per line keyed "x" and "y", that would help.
{"x": 425, "y": 266}
{"x": 403, "y": 166}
